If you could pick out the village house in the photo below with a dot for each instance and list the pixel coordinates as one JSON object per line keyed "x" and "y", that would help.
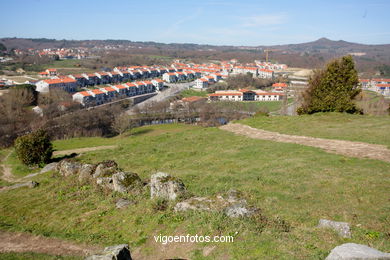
{"x": 266, "y": 74}
{"x": 365, "y": 83}
{"x": 99, "y": 96}
{"x": 244, "y": 95}
{"x": 80, "y": 80}
{"x": 170, "y": 77}
{"x": 48, "y": 73}
{"x": 104, "y": 77}
{"x": 279, "y": 87}
{"x": 67, "y": 84}
{"x": 133, "y": 89}
{"x": 92, "y": 79}
{"x": 158, "y": 84}
{"x": 115, "y": 77}
{"x": 201, "y": 83}
{"x": 123, "y": 90}
{"x": 111, "y": 93}
{"x": 86, "y": 98}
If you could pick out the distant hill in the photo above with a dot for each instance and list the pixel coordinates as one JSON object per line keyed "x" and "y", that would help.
{"x": 308, "y": 55}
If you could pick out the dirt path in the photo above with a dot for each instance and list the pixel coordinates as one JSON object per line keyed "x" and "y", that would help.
{"x": 347, "y": 148}
{"x": 84, "y": 150}
{"x": 7, "y": 173}
{"x": 24, "y": 242}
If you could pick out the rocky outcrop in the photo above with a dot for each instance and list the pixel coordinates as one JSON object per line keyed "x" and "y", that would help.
{"x": 85, "y": 172}
{"x": 165, "y": 186}
{"x": 356, "y": 251}
{"x": 105, "y": 182}
{"x": 342, "y": 228}
{"x": 68, "y": 167}
{"x": 105, "y": 169}
{"x": 118, "y": 252}
{"x": 124, "y": 182}
{"x": 231, "y": 204}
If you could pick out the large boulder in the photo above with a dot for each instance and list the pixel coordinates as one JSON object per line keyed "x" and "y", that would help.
{"x": 165, "y": 186}
{"x": 342, "y": 228}
{"x": 126, "y": 181}
{"x": 85, "y": 172}
{"x": 105, "y": 169}
{"x": 352, "y": 251}
{"x": 68, "y": 167}
{"x": 118, "y": 252}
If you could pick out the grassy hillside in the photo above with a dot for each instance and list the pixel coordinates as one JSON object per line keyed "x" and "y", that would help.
{"x": 370, "y": 129}
{"x": 293, "y": 185}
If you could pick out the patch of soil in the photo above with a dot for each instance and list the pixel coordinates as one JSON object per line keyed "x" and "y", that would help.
{"x": 24, "y": 242}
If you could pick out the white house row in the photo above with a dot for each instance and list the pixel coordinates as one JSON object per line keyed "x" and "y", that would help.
{"x": 103, "y": 95}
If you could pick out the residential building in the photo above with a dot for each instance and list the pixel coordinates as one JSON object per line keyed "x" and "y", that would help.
{"x": 67, "y": 84}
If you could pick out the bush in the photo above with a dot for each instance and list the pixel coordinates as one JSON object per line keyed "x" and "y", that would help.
{"x": 34, "y": 148}
{"x": 332, "y": 89}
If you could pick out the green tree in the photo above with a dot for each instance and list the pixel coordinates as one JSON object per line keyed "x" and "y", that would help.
{"x": 332, "y": 89}
{"x": 34, "y": 148}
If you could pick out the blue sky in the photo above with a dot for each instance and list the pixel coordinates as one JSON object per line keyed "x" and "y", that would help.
{"x": 220, "y": 22}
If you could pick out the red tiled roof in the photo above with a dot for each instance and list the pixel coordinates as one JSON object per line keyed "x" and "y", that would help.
{"x": 191, "y": 99}
{"x": 97, "y": 91}
{"x": 281, "y": 85}
{"x": 58, "y": 81}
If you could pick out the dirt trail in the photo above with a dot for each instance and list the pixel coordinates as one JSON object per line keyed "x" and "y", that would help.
{"x": 347, "y": 148}
{"x": 7, "y": 173}
{"x": 24, "y": 242}
{"x": 83, "y": 150}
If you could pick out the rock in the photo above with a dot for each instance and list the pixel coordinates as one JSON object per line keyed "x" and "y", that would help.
{"x": 342, "y": 228}
{"x": 118, "y": 252}
{"x": 195, "y": 203}
{"x": 68, "y": 168}
{"x": 123, "y": 203}
{"x": 85, "y": 172}
{"x": 232, "y": 206}
{"x": 29, "y": 184}
{"x": 126, "y": 181}
{"x": 49, "y": 167}
{"x": 239, "y": 210}
{"x": 352, "y": 251}
{"x": 105, "y": 169}
{"x": 165, "y": 186}
{"x": 105, "y": 182}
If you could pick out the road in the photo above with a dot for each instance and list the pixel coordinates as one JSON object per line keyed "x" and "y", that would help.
{"x": 172, "y": 90}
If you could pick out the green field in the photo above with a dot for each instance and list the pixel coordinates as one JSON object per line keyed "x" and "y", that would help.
{"x": 363, "y": 128}
{"x": 293, "y": 185}
{"x": 191, "y": 93}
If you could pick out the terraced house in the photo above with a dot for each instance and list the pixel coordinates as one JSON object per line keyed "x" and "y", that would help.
{"x": 65, "y": 83}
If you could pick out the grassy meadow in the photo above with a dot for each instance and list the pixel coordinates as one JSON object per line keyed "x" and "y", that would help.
{"x": 293, "y": 185}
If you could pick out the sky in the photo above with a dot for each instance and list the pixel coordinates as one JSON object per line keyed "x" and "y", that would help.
{"x": 216, "y": 22}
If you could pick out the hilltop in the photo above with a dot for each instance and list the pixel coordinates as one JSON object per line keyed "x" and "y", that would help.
{"x": 293, "y": 186}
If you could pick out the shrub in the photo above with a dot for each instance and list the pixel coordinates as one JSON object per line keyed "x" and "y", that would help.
{"x": 332, "y": 89}
{"x": 34, "y": 148}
